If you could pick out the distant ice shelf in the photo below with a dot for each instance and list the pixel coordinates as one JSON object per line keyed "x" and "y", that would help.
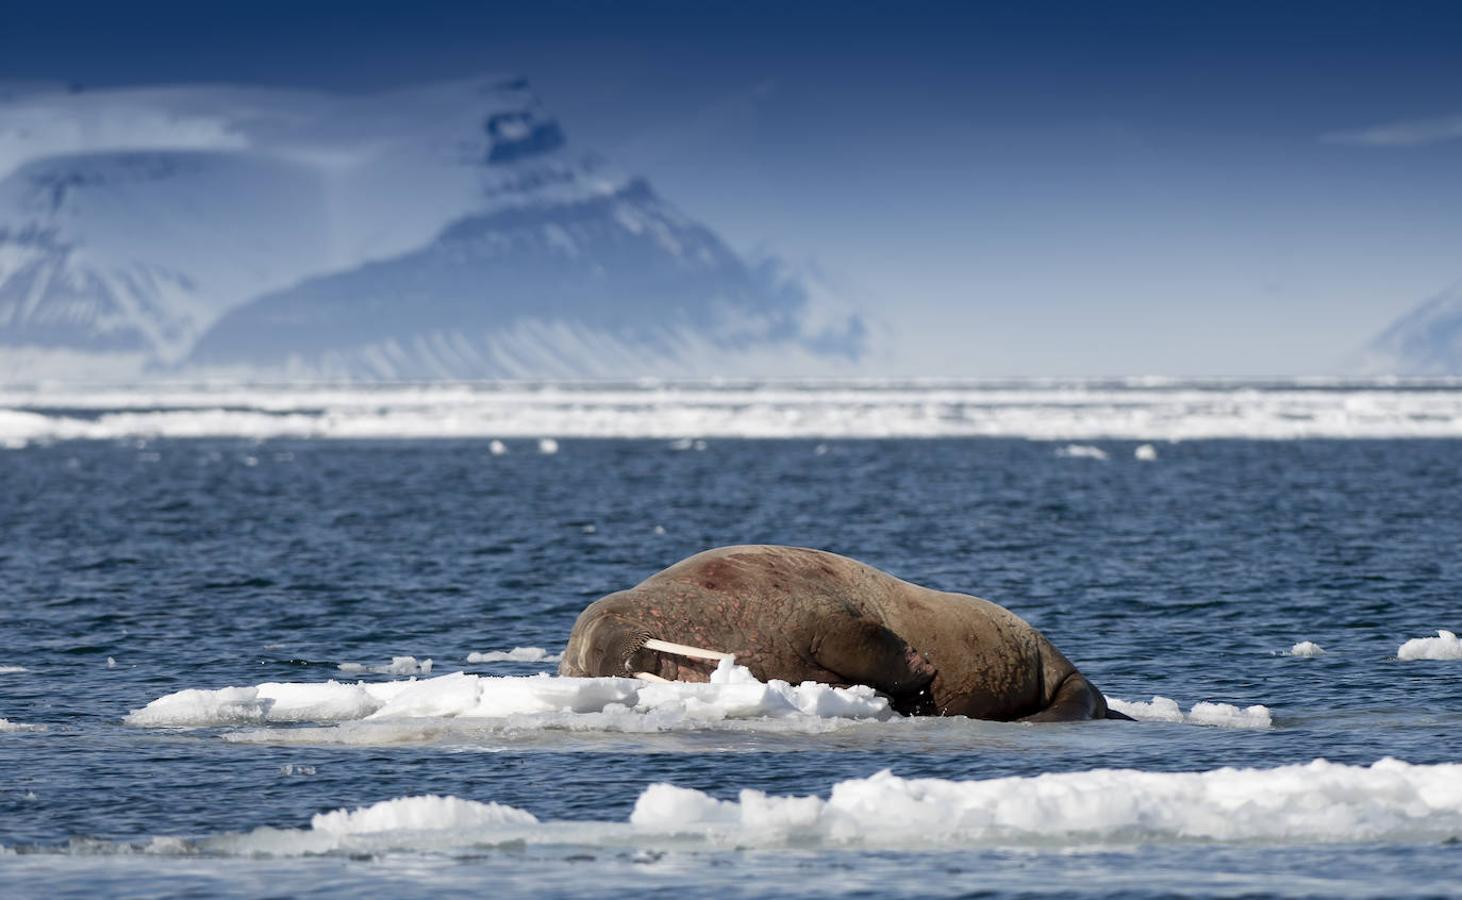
{"x": 538, "y": 417}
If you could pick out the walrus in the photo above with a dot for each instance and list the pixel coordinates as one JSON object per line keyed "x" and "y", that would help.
{"x": 797, "y": 614}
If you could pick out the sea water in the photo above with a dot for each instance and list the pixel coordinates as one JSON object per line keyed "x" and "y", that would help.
{"x": 304, "y": 642}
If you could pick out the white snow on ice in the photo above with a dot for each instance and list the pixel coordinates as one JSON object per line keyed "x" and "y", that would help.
{"x": 1307, "y": 648}
{"x": 1444, "y": 646}
{"x": 1165, "y": 709}
{"x": 517, "y": 654}
{"x": 1317, "y": 802}
{"x": 539, "y": 701}
{"x": 1056, "y": 411}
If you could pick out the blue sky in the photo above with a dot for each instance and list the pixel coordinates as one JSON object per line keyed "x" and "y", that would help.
{"x": 1034, "y": 188}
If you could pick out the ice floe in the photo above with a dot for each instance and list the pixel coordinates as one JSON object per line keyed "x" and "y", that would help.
{"x": 1316, "y": 802}
{"x": 8, "y": 726}
{"x": 1444, "y": 646}
{"x": 1145, "y": 453}
{"x": 541, "y": 701}
{"x": 1224, "y": 715}
{"x": 1081, "y": 451}
{"x": 1068, "y": 411}
{"x": 517, "y": 654}
{"x": 12, "y": 670}
{"x": 399, "y": 665}
{"x": 1307, "y": 648}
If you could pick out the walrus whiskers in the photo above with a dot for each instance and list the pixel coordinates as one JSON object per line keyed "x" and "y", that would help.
{"x": 684, "y": 650}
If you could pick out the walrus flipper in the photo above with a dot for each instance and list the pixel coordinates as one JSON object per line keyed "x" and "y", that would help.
{"x": 864, "y": 652}
{"x": 1075, "y": 700}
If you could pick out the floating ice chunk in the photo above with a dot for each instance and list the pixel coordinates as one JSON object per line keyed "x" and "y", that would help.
{"x": 12, "y": 670}
{"x": 1229, "y": 716}
{"x": 111, "y": 663}
{"x": 425, "y": 813}
{"x": 547, "y": 445}
{"x": 1081, "y": 451}
{"x": 1145, "y": 453}
{"x": 1159, "y": 709}
{"x": 1165, "y": 709}
{"x": 517, "y": 654}
{"x": 1317, "y": 802}
{"x": 399, "y": 665}
{"x": 331, "y": 701}
{"x": 8, "y": 726}
{"x": 497, "y": 448}
{"x": 537, "y": 702}
{"x": 426, "y": 822}
{"x": 1444, "y": 646}
{"x": 1307, "y": 648}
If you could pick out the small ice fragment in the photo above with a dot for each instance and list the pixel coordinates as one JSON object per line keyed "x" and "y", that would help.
{"x": 1223, "y": 715}
{"x": 111, "y": 663}
{"x": 11, "y": 670}
{"x": 517, "y": 654}
{"x": 251, "y": 461}
{"x": 7, "y": 725}
{"x": 547, "y": 445}
{"x": 399, "y": 665}
{"x": 1307, "y": 648}
{"x": 819, "y": 450}
{"x": 659, "y": 529}
{"x": 680, "y": 444}
{"x": 1081, "y": 451}
{"x": 589, "y": 529}
{"x": 497, "y": 448}
{"x": 1145, "y": 453}
{"x": 292, "y": 769}
{"x": 1444, "y": 646}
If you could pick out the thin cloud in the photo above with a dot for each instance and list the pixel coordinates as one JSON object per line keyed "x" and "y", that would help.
{"x": 1413, "y": 133}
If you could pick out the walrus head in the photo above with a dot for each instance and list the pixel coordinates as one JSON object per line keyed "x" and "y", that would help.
{"x": 613, "y": 646}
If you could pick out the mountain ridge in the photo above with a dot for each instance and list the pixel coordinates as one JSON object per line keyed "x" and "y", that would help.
{"x": 445, "y": 231}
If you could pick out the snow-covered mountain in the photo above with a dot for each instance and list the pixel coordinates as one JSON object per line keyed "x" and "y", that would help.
{"x": 447, "y": 231}
{"x": 1425, "y": 341}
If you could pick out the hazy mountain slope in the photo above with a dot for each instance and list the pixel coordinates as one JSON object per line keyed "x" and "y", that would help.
{"x": 617, "y": 284}
{"x": 1425, "y": 341}
{"x": 127, "y": 252}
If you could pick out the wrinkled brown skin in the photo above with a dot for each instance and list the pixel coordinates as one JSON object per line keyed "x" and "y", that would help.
{"x": 799, "y": 615}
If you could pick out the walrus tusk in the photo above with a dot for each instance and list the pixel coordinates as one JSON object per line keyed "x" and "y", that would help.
{"x": 683, "y": 650}
{"x": 651, "y": 676}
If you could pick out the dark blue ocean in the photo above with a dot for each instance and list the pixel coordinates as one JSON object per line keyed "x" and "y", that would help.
{"x": 134, "y": 569}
